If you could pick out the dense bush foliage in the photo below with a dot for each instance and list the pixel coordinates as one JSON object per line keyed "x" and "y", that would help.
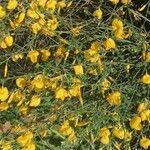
{"x": 74, "y": 74}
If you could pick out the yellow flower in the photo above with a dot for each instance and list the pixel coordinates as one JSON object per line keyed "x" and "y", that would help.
{"x": 18, "y": 20}
{"x": 8, "y": 40}
{"x": 35, "y": 101}
{"x": 33, "y": 56}
{"x": 3, "y": 106}
{"x": 128, "y": 136}
{"x": 41, "y": 3}
{"x": 146, "y": 79}
{"x": 118, "y": 132}
{"x": 52, "y": 83}
{"x": 52, "y": 24}
{"x": 78, "y": 69}
{"x": 61, "y": 4}
{"x": 6, "y": 146}
{"x": 45, "y": 54}
{"x": 51, "y": 4}
{"x": 66, "y": 130}
{"x": 17, "y": 96}
{"x": 3, "y": 45}
{"x": 23, "y": 109}
{"x": 3, "y": 93}
{"x": 32, "y": 13}
{"x": 30, "y": 146}
{"x": 95, "y": 46}
{"x": 25, "y": 139}
{"x": 104, "y": 140}
{"x": 16, "y": 57}
{"x": 119, "y": 33}
{"x": 145, "y": 142}
{"x": 98, "y": 13}
{"x": 60, "y": 52}
{"x": 104, "y": 134}
{"x": 2, "y": 12}
{"x": 145, "y": 115}
{"x": 114, "y": 1}
{"x": 21, "y": 82}
{"x": 91, "y": 55}
{"x": 146, "y": 56}
{"x": 76, "y": 30}
{"x": 36, "y": 27}
{"x": 135, "y": 123}
{"x": 109, "y": 44}
{"x": 76, "y": 92}
{"x": 38, "y": 83}
{"x": 104, "y": 86}
{"x": 61, "y": 93}
{"x": 142, "y": 106}
{"x": 125, "y": 2}
{"x": 117, "y": 24}
{"x": 12, "y": 4}
{"x": 114, "y": 98}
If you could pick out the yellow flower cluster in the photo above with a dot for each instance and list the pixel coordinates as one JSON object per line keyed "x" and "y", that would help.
{"x": 33, "y": 55}
{"x": 121, "y": 133}
{"x": 4, "y": 94}
{"x": 104, "y": 86}
{"x": 145, "y": 142}
{"x": 6, "y": 42}
{"x": 118, "y": 28}
{"x": 143, "y": 115}
{"x": 92, "y": 55}
{"x": 26, "y": 141}
{"x": 38, "y": 84}
{"x": 72, "y": 64}
{"x": 98, "y": 13}
{"x": 114, "y": 98}
{"x": 109, "y": 44}
{"x": 146, "y": 56}
{"x": 11, "y": 5}
{"x": 18, "y": 20}
{"x": 146, "y": 79}
{"x": 104, "y": 134}
{"x": 2, "y": 12}
{"x": 117, "y": 131}
{"x": 39, "y": 22}
{"x": 66, "y": 130}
